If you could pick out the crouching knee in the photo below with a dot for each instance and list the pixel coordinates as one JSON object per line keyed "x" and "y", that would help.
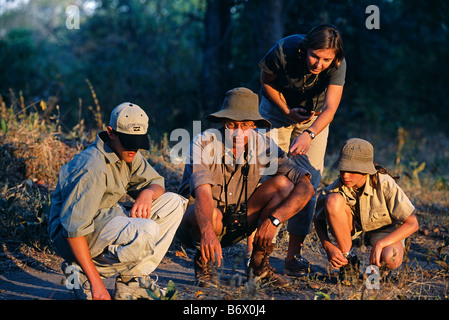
{"x": 137, "y": 240}
{"x": 392, "y": 256}
{"x": 170, "y": 204}
{"x": 335, "y": 203}
{"x": 283, "y": 185}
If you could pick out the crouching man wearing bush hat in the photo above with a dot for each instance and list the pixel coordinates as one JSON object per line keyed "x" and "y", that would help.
{"x": 237, "y": 181}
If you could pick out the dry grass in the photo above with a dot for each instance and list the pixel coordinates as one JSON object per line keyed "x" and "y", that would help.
{"x": 33, "y": 150}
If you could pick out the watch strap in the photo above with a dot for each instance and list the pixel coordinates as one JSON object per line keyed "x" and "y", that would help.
{"x": 311, "y": 134}
{"x": 273, "y": 219}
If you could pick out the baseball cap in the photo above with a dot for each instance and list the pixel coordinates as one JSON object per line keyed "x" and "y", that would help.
{"x": 130, "y": 123}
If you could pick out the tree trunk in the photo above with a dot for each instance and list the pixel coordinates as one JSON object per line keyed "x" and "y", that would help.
{"x": 269, "y": 24}
{"x": 216, "y": 54}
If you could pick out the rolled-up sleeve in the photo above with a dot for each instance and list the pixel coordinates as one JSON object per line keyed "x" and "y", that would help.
{"x": 274, "y": 60}
{"x": 199, "y": 177}
{"x": 143, "y": 175}
{"x": 398, "y": 203}
{"x": 82, "y": 200}
{"x": 202, "y": 155}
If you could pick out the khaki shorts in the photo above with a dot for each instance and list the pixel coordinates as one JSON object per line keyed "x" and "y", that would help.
{"x": 371, "y": 237}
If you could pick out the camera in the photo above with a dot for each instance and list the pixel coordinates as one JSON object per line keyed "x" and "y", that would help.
{"x": 308, "y": 107}
{"x": 236, "y": 218}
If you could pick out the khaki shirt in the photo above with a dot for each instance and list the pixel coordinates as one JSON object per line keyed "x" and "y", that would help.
{"x": 210, "y": 161}
{"x": 93, "y": 182}
{"x": 380, "y": 207}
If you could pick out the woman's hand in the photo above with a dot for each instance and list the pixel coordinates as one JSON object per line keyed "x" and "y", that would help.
{"x": 300, "y": 144}
{"x": 298, "y": 115}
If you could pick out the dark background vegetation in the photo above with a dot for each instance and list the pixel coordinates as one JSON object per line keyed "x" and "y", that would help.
{"x": 177, "y": 58}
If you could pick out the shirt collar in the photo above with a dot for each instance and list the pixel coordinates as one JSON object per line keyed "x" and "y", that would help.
{"x": 100, "y": 143}
{"x": 349, "y": 192}
{"x": 368, "y": 188}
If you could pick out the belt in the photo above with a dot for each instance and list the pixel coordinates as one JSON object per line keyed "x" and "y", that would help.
{"x": 315, "y": 115}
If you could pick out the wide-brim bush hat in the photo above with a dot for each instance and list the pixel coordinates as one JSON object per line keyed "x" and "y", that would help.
{"x": 130, "y": 123}
{"x": 240, "y": 104}
{"x": 357, "y": 155}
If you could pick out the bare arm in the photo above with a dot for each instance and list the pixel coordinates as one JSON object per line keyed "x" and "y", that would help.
{"x": 81, "y": 252}
{"x": 334, "y": 254}
{"x": 331, "y": 103}
{"x": 278, "y": 99}
{"x": 295, "y": 202}
{"x": 408, "y": 227}
{"x": 205, "y": 214}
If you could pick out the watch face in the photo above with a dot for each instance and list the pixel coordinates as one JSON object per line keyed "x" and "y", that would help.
{"x": 311, "y": 134}
{"x": 275, "y": 221}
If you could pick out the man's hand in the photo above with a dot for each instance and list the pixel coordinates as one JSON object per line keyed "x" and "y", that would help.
{"x": 142, "y": 205}
{"x": 209, "y": 223}
{"x": 211, "y": 247}
{"x": 81, "y": 252}
{"x": 265, "y": 233}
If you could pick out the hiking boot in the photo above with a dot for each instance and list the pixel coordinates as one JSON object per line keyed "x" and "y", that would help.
{"x": 296, "y": 267}
{"x": 76, "y": 280}
{"x": 205, "y": 275}
{"x": 137, "y": 288}
{"x": 260, "y": 267}
{"x": 349, "y": 273}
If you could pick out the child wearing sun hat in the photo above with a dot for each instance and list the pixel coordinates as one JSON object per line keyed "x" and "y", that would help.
{"x": 365, "y": 200}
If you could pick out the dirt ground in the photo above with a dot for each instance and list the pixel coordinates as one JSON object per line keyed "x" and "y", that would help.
{"x": 29, "y": 274}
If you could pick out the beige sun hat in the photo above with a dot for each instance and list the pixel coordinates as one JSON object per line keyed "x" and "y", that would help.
{"x": 240, "y": 104}
{"x": 357, "y": 155}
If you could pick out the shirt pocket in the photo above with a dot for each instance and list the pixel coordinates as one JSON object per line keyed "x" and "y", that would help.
{"x": 218, "y": 193}
{"x": 379, "y": 217}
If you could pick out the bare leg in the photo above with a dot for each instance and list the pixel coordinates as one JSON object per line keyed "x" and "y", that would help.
{"x": 340, "y": 221}
{"x": 392, "y": 255}
{"x": 268, "y": 197}
{"x": 294, "y": 245}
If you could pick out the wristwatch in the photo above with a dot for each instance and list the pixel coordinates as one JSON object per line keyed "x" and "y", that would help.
{"x": 275, "y": 221}
{"x": 311, "y": 134}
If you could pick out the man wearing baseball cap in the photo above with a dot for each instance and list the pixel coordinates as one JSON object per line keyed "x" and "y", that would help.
{"x": 99, "y": 236}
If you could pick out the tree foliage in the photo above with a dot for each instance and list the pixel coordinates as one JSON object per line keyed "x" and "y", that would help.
{"x": 177, "y": 58}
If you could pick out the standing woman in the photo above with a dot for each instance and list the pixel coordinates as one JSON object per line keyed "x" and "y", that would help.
{"x": 302, "y": 79}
